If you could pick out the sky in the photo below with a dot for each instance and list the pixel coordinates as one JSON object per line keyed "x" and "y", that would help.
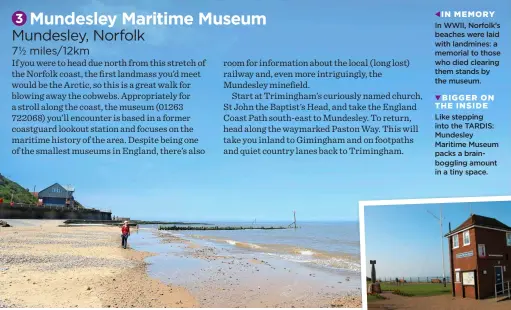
{"x": 405, "y": 239}
{"x": 218, "y": 187}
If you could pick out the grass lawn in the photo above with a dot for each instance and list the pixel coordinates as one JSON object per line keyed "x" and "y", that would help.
{"x": 416, "y": 289}
{"x": 372, "y": 298}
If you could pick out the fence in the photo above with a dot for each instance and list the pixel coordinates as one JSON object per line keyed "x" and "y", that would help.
{"x": 46, "y": 206}
{"x": 505, "y": 291}
{"x": 414, "y": 279}
{"x": 56, "y": 207}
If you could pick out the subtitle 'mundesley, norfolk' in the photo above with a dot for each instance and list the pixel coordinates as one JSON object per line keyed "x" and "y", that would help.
{"x": 79, "y": 37}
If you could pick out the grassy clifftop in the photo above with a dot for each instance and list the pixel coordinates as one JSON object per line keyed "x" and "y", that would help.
{"x": 10, "y": 189}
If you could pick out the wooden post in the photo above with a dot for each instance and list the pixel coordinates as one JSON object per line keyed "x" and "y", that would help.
{"x": 294, "y": 215}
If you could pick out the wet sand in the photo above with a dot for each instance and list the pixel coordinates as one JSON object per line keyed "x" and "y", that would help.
{"x": 42, "y": 265}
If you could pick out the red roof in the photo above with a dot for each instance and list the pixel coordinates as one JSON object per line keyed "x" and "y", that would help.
{"x": 482, "y": 221}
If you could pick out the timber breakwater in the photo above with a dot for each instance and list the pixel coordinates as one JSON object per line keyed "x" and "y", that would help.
{"x": 76, "y": 222}
{"x": 175, "y": 227}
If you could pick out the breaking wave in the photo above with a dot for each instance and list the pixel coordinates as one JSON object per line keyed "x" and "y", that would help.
{"x": 334, "y": 260}
{"x": 295, "y": 254}
{"x": 243, "y": 244}
{"x": 345, "y": 263}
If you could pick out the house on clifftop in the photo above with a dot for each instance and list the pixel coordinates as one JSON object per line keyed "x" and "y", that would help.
{"x": 57, "y": 195}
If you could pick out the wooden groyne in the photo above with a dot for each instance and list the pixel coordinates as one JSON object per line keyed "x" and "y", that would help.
{"x": 219, "y": 227}
{"x": 166, "y": 223}
{"x": 131, "y": 222}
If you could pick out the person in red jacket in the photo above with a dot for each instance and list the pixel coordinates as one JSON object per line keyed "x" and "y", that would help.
{"x": 125, "y": 234}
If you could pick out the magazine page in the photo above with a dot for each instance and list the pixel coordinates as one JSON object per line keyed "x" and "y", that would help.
{"x": 255, "y": 154}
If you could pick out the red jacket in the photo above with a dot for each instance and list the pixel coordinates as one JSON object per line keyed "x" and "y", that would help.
{"x": 125, "y": 229}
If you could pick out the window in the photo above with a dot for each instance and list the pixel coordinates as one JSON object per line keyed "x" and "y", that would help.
{"x": 508, "y": 237}
{"x": 466, "y": 238}
{"x": 455, "y": 241}
{"x": 481, "y": 249}
{"x": 457, "y": 276}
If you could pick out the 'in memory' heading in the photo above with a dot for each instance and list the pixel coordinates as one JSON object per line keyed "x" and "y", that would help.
{"x": 156, "y": 18}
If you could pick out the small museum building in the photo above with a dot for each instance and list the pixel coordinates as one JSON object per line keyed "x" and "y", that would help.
{"x": 57, "y": 195}
{"x": 480, "y": 253}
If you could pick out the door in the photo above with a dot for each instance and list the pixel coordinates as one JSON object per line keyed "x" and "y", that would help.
{"x": 499, "y": 279}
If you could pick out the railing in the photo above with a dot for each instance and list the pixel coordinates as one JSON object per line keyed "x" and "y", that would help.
{"x": 22, "y": 205}
{"x": 415, "y": 279}
{"x": 45, "y": 206}
{"x": 505, "y": 288}
{"x": 53, "y": 207}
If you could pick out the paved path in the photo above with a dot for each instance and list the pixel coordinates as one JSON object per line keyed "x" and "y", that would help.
{"x": 441, "y": 302}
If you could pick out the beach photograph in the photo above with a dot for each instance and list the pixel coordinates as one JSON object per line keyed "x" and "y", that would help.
{"x": 438, "y": 254}
{"x": 58, "y": 252}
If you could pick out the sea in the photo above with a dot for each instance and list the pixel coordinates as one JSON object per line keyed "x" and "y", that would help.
{"x": 333, "y": 245}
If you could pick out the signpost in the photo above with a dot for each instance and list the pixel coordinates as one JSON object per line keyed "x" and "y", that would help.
{"x": 469, "y": 278}
{"x": 465, "y": 254}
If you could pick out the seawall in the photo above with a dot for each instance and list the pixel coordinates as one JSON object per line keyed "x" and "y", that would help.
{"x": 50, "y": 213}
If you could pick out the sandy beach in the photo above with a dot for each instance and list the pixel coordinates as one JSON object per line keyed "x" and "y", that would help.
{"x": 48, "y": 266}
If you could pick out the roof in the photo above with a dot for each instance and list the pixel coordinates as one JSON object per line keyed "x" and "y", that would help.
{"x": 56, "y": 191}
{"x": 68, "y": 188}
{"x": 480, "y": 221}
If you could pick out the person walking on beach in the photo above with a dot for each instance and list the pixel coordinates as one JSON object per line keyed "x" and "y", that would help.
{"x": 125, "y": 234}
